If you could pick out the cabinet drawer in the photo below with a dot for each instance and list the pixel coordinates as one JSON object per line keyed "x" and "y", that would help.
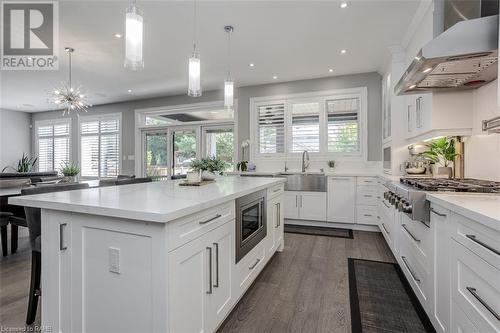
{"x": 275, "y": 191}
{"x": 483, "y": 241}
{"x": 367, "y": 195}
{"x": 367, "y": 215}
{"x": 475, "y": 288}
{"x": 416, "y": 274}
{"x": 460, "y": 323}
{"x": 367, "y": 181}
{"x": 419, "y": 239}
{"x": 190, "y": 227}
{"x": 249, "y": 267}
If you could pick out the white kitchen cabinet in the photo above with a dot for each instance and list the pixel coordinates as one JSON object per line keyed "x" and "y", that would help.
{"x": 305, "y": 205}
{"x": 341, "y": 199}
{"x": 275, "y": 219}
{"x": 200, "y": 282}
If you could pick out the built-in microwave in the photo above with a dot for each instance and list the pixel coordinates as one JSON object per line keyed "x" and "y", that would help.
{"x": 387, "y": 160}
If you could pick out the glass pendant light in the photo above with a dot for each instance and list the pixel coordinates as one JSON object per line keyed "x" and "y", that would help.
{"x": 228, "y": 83}
{"x": 194, "y": 67}
{"x": 133, "y": 37}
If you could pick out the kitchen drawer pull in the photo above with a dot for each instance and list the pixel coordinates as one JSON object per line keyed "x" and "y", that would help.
{"x": 409, "y": 269}
{"x": 474, "y": 293}
{"x": 216, "y": 284}
{"x": 255, "y": 264}
{"x": 61, "y": 238}
{"x": 409, "y": 233}
{"x": 383, "y": 226}
{"x": 368, "y": 215}
{"x": 386, "y": 204}
{"x": 211, "y": 219}
{"x": 368, "y": 196}
{"x": 209, "y": 291}
{"x": 278, "y": 215}
{"x": 277, "y": 190}
{"x": 437, "y": 213}
{"x": 474, "y": 239}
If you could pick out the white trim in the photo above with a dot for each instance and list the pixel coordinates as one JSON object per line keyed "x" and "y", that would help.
{"x": 53, "y": 122}
{"x": 117, "y": 115}
{"x": 362, "y": 92}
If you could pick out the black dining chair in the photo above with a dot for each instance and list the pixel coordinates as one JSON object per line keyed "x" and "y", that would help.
{"x": 133, "y": 181}
{"x": 4, "y": 220}
{"x": 33, "y": 222}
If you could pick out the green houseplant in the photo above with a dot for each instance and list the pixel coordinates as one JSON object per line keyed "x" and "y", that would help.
{"x": 69, "y": 171}
{"x": 208, "y": 167}
{"x": 25, "y": 164}
{"x": 442, "y": 153}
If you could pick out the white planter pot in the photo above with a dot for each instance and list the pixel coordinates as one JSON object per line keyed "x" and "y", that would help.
{"x": 207, "y": 175}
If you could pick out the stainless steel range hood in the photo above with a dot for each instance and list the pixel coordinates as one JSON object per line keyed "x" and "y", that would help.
{"x": 463, "y": 57}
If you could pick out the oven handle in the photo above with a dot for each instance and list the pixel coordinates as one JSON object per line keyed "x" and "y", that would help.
{"x": 386, "y": 204}
{"x": 211, "y": 219}
{"x": 209, "y": 291}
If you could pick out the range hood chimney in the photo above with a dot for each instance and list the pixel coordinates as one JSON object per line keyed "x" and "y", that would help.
{"x": 465, "y": 56}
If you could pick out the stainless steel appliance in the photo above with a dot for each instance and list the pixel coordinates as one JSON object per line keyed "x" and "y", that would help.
{"x": 251, "y": 222}
{"x": 387, "y": 164}
{"x": 409, "y": 195}
{"x": 465, "y": 56}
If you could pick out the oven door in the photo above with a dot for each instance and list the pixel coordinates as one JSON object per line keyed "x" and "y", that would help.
{"x": 250, "y": 223}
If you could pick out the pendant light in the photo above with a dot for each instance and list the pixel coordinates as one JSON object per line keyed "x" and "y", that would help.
{"x": 69, "y": 97}
{"x": 194, "y": 67}
{"x": 228, "y": 83}
{"x": 133, "y": 37}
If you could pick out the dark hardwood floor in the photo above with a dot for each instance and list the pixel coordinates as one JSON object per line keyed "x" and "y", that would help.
{"x": 303, "y": 289}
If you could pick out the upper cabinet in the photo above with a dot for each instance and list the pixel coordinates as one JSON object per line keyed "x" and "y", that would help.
{"x": 386, "y": 107}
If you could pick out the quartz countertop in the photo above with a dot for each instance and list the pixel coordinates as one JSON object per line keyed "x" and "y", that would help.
{"x": 156, "y": 202}
{"x": 483, "y": 208}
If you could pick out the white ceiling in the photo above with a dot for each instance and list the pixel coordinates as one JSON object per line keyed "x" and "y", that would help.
{"x": 290, "y": 39}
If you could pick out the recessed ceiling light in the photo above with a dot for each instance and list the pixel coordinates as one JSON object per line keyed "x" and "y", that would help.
{"x": 343, "y": 5}
{"x": 343, "y": 51}
{"x": 412, "y": 86}
{"x": 330, "y": 70}
{"x": 117, "y": 35}
{"x": 427, "y": 70}
{"x": 275, "y": 77}
{"x": 129, "y": 91}
{"x": 252, "y": 64}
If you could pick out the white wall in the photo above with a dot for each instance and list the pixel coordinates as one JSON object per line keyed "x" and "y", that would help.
{"x": 15, "y": 136}
{"x": 482, "y": 151}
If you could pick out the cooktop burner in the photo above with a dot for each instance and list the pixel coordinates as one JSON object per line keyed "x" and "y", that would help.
{"x": 453, "y": 185}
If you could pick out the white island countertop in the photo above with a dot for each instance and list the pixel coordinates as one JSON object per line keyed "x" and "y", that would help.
{"x": 156, "y": 202}
{"x": 483, "y": 208}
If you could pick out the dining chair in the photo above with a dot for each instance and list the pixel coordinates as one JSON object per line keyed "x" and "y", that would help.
{"x": 4, "y": 220}
{"x": 33, "y": 222}
{"x": 133, "y": 181}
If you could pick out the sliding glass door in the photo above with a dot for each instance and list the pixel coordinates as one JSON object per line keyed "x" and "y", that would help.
{"x": 156, "y": 155}
{"x": 185, "y": 150}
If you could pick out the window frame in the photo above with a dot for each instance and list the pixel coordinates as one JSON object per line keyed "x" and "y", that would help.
{"x": 82, "y": 119}
{"x": 322, "y": 97}
{"x": 53, "y": 122}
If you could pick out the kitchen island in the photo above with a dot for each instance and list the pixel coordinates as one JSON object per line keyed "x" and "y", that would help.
{"x": 152, "y": 257}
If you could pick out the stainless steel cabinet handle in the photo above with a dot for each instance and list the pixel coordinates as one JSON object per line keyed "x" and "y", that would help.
{"x": 296, "y": 201}
{"x": 409, "y": 269}
{"x": 367, "y": 195}
{"x": 300, "y": 201}
{"x": 278, "y": 215}
{"x": 474, "y": 239}
{"x": 255, "y": 264}
{"x": 62, "y": 247}
{"x": 386, "y": 204}
{"x": 383, "y": 226}
{"x": 216, "y": 284}
{"x": 209, "y": 291}
{"x": 409, "y": 233}
{"x": 474, "y": 293}
{"x": 437, "y": 213}
{"x": 277, "y": 190}
{"x": 211, "y": 219}
{"x": 368, "y": 215}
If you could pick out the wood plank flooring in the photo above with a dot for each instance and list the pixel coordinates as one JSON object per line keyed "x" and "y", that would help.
{"x": 303, "y": 289}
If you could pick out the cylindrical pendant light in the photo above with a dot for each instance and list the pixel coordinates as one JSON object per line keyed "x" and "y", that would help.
{"x": 194, "y": 67}
{"x": 133, "y": 38}
{"x": 228, "y": 83}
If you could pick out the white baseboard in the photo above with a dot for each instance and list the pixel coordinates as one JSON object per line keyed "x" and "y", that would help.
{"x": 353, "y": 226}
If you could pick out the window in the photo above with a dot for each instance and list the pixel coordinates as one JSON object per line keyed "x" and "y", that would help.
{"x": 156, "y": 155}
{"x": 271, "y": 124}
{"x": 219, "y": 142}
{"x": 53, "y": 144}
{"x": 343, "y": 125}
{"x": 100, "y": 146}
{"x": 305, "y": 127}
{"x": 185, "y": 148}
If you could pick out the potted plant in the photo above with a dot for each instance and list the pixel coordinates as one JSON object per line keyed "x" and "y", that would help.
{"x": 208, "y": 167}
{"x": 25, "y": 164}
{"x": 243, "y": 164}
{"x": 442, "y": 153}
{"x": 70, "y": 172}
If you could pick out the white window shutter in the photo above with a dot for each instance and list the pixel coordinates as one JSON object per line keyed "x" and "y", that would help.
{"x": 271, "y": 128}
{"x": 343, "y": 125}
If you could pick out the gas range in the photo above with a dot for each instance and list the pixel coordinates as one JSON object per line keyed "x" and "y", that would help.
{"x": 409, "y": 195}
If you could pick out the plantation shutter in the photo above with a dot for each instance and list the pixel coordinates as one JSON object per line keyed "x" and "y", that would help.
{"x": 343, "y": 125}
{"x": 305, "y": 127}
{"x": 53, "y": 145}
{"x": 100, "y": 147}
{"x": 271, "y": 128}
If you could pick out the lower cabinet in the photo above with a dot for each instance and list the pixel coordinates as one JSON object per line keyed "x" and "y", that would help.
{"x": 200, "y": 282}
{"x": 275, "y": 219}
{"x": 341, "y": 199}
{"x": 305, "y": 205}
